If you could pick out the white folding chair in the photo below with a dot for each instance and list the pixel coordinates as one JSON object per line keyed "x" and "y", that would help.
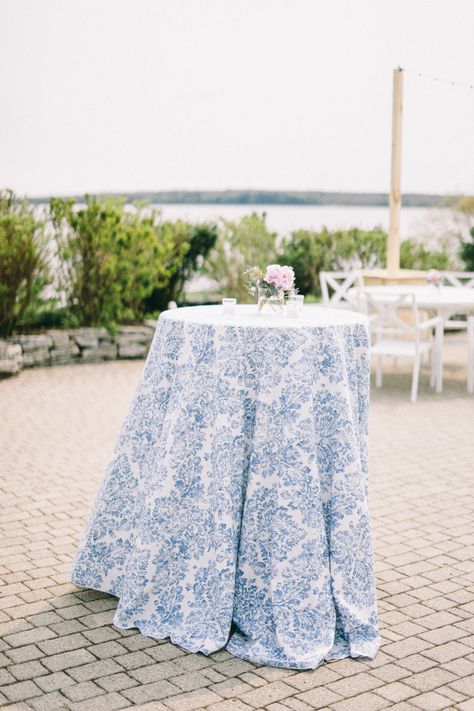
{"x": 340, "y": 290}
{"x": 470, "y": 354}
{"x": 397, "y": 332}
{"x": 464, "y": 280}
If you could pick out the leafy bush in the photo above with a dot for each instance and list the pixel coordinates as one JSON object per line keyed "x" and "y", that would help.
{"x": 196, "y": 241}
{"x": 310, "y": 252}
{"x": 240, "y": 244}
{"x": 23, "y": 261}
{"x": 413, "y": 255}
{"x": 467, "y": 252}
{"x": 111, "y": 259}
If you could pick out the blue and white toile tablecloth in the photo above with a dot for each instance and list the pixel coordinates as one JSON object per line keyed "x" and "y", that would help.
{"x": 234, "y": 510}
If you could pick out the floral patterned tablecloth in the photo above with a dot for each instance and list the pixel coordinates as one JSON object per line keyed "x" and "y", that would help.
{"x": 234, "y": 510}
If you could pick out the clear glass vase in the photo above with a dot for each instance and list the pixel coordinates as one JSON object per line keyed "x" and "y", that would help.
{"x": 271, "y": 304}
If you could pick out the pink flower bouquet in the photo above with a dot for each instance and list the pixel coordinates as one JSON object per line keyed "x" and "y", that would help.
{"x": 434, "y": 277}
{"x": 272, "y": 285}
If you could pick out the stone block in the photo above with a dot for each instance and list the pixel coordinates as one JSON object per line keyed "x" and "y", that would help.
{"x": 102, "y": 352}
{"x": 41, "y": 356}
{"x": 34, "y": 343}
{"x": 132, "y": 350}
{"x": 89, "y": 337}
{"x": 134, "y": 334}
{"x": 10, "y": 366}
{"x": 64, "y": 354}
{"x": 150, "y": 323}
{"x": 61, "y": 339}
{"x": 10, "y": 350}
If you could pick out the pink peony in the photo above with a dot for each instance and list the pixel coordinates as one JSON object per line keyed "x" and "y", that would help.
{"x": 433, "y": 276}
{"x": 281, "y": 277}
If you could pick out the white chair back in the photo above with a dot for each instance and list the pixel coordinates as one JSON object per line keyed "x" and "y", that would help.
{"x": 392, "y": 314}
{"x": 459, "y": 279}
{"x": 336, "y": 286}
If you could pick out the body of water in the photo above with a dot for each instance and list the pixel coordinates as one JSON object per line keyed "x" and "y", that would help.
{"x": 421, "y": 223}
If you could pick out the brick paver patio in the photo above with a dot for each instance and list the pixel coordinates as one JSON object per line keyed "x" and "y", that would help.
{"x": 58, "y": 649}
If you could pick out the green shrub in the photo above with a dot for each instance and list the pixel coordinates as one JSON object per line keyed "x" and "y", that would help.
{"x": 23, "y": 261}
{"x": 112, "y": 258}
{"x": 467, "y": 252}
{"x": 150, "y": 253}
{"x": 195, "y": 241}
{"x": 310, "y": 252}
{"x": 414, "y": 256}
{"x": 240, "y": 244}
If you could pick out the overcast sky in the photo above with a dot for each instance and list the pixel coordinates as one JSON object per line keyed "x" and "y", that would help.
{"x": 115, "y": 95}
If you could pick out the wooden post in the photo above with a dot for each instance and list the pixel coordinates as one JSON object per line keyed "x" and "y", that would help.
{"x": 393, "y": 247}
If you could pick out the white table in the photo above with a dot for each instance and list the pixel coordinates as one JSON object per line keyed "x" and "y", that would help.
{"x": 444, "y": 301}
{"x": 234, "y": 510}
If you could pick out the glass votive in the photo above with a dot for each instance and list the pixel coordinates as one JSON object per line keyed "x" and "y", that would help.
{"x": 292, "y": 306}
{"x": 228, "y": 306}
{"x": 299, "y": 298}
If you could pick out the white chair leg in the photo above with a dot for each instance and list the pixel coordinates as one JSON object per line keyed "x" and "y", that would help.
{"x": 378, "y": 372}
{"x": 433, "y": 371}
{"x": 470, "y": 356}
{"x": 438, "y": 356}
{"x": 416, "y": 377}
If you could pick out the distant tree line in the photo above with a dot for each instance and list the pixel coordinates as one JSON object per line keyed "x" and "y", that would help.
{"x": 276, "y": 197}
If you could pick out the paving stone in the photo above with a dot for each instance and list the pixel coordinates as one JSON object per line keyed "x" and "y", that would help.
{"x": 94, "y": 670}
{"x": 108, "y": 702}
{"x": 312, "y": 679}
{"x": 55, "y": 681}
{"x": 264, "y": 695}
{"x": 116, "y": 682}
{"x": 107, "y": 649}
{"x": 192, "y": 700}
{"x": 83, "y": 690}
{"x": 431, "y": 701}
{"x": 230, "y": 688}
{"x": 63, "y": 644}
{"x": 233, "y": 705}
{"x": 29, "y": 637}
{"x": 135, "y": 660}
{"x": 396, "y": 691}
{"x": 21, "y": 691}
{"x": 430, "y": 679}
{"x": 68, "y": 660}
{"x": 53, "y": 701}
{"x": 363, "y": 702}
{"x": 154, "y": 672}
{"x": 416, "y": 663}
{"x": 27, "y": 670}
{"x": 447, "y": 652}
{"x": 24, "y": 654}
{"x": 465, "y": 686}
{"x": 355, "y": 685}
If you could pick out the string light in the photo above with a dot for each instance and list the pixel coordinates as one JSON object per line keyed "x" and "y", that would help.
{"x": 440, "y": 80}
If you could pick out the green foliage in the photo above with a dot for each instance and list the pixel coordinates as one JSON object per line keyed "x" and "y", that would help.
{"x": 310, "y": 252}
{"x": 467, "y": 252}
{"x": 112, "y": 258}
{"x": 23, "y": 261}
{"x": 414, "y": 255}
{"x": 240, "y": 244}
{"x": 195, "y": 242}
{"x": 149, "y": 254}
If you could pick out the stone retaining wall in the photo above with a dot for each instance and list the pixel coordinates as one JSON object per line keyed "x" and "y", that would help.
{"x": 79, "y": 345}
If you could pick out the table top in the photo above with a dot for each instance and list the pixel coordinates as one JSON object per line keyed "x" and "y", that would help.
{"x": 430, "y": 296}
{"x": 246, "y": 315}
